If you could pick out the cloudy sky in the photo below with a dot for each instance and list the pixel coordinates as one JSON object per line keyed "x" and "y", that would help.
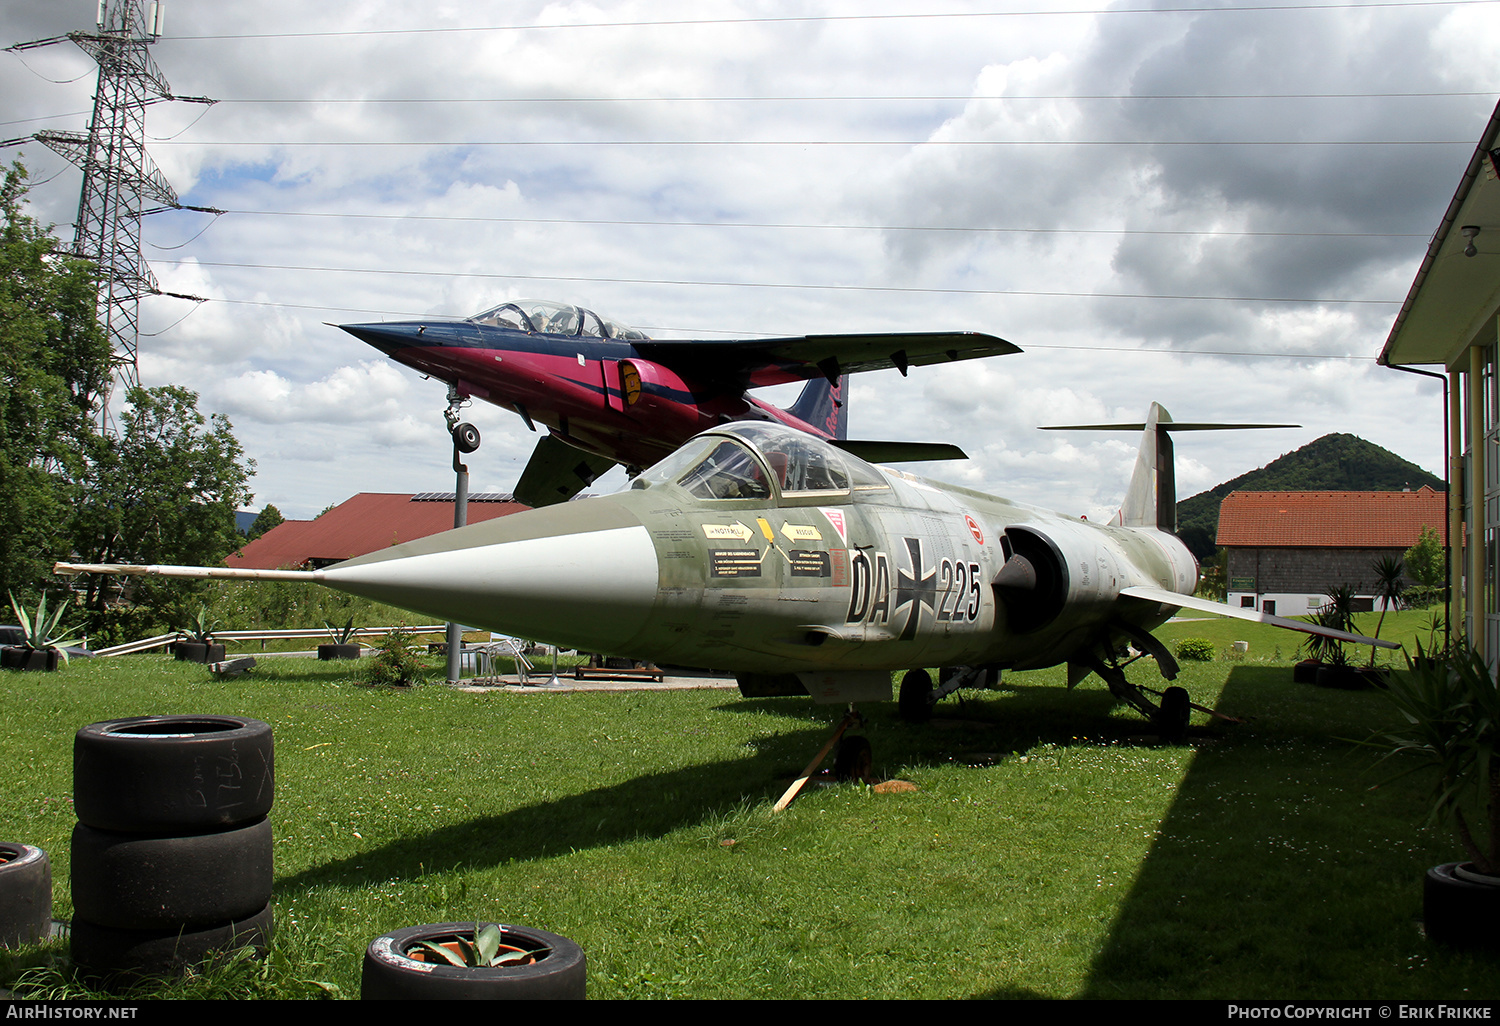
{"x": 1205, "y": 204}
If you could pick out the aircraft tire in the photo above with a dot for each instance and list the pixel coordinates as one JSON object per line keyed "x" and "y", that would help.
{"x": 1172, "y": 717}
{"x": 25, "y": 895}
{"x": 134, "y": 882}
{"x": 854, "y": 760}
{"x": 105, "y": 950}
{"x": 915, "y": 700}
{"x": 390, "y": 974}
{"x": 173, "y": 774}
{"x": 466, "y": 437}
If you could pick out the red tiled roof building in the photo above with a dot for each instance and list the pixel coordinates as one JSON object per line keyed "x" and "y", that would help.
{"x": 364, "y": 523}
{"x": 1287, "y": 549}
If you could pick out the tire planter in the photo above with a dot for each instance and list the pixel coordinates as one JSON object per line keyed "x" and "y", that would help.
{"x": 135, "y": 882}
{"x": 104, "y": 950}
{"x": 914, "y": 702}
{"x": 25, "y": 895}
{"x": 20, "y": 658}
{"x": 854, "y": 760}
{"x": 173, "y": 774}
{"x": 1173, "y": 716}
{"x": 391, "y": 974}
{"x": 1306, "y": 672}
{"x": 1458, "y": 911}
{"x": 338, "y": 651}
{"x": 1347, "y": 678}
{"x": 198, "y": 652}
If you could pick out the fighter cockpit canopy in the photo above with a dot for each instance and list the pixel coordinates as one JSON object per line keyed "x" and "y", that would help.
{"x": 543, "y": 317}
{"x": 750, "y": 459}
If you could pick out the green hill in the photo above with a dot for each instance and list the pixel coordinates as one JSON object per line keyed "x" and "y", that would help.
{"x": 1333, "y": 463}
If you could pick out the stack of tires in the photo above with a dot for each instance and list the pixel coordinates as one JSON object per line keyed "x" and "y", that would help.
{"x": 171, "y": 858}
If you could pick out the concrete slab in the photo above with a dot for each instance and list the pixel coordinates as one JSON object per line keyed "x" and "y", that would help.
{"x": 539, "y": 684}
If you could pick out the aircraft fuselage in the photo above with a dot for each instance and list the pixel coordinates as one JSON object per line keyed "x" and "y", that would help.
{"x": 600, "y": 395}
{"x": 888, "y": 572}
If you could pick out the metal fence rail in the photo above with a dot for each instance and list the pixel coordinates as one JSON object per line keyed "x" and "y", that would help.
{"x": 146, "y": 644}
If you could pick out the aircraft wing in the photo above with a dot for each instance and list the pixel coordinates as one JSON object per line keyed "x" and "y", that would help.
{"x": 775, "y": 361}
{"x": 557, "y": 471}
{"x": 1172, "y": 598}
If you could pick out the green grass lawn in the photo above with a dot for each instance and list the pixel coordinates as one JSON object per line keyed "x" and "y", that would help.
{"x": 1051, "y": 849}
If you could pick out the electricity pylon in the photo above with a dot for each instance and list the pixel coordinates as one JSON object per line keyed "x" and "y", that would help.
{"x": 119, "y": 178}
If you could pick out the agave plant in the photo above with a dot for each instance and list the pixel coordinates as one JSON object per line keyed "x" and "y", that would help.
{"x": 39, "y": 632}
{"x": 340, "y": 633}
{"x": 199, "y": 627}
{"x": 484, "y": 951}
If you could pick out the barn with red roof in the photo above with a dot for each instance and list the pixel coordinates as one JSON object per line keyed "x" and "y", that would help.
{"x": 364, "y": 523}
{"x": 1286, "y": 550}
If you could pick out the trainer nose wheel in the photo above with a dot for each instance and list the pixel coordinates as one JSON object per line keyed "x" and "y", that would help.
{"x": 466, "y": 437}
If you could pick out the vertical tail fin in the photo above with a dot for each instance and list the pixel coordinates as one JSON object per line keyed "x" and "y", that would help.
{"x": 1151, "y": 498}
{"x": 823, "y": 405}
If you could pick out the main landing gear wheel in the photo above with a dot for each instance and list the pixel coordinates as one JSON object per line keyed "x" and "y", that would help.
{"x": 1172, "y": 717}
{"x": 466, "y": 437}
{"x": 915, "y": 701}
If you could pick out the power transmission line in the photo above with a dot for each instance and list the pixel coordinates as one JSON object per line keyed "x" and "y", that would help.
{"x": 835, "y": 18}
{"x": 969, "y": 229}
{"x": 788, "y": 285}
{"x": 818, "y": 143}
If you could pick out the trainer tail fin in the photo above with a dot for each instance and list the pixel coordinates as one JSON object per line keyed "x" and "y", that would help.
{"x": 824, "y": 405}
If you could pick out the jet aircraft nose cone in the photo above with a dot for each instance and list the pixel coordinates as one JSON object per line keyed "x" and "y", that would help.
{"x": 582, "y": 575}
{"x": 390, "y": 338}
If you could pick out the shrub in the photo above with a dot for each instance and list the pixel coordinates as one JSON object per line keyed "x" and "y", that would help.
{"x": 395, "y": 663}
{"x": 1197, "y": 649}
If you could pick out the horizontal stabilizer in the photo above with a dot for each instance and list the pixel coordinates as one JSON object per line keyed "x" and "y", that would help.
{"x": 1165, "y": 426}
{"x": 1172, "y": 598}
{"x": 1151, "y": 497}
{"x": 900, "y": 452}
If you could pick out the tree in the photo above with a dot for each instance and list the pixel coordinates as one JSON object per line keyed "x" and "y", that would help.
{"x": 56, "y": 372}
{"x": 265, "y": 520}
{"x": 1424, "y": 560}
{"x": 1389, "y": 583}
{"x": 163, "y": 491}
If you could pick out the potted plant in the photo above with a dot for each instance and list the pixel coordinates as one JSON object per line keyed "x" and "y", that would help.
{"x": 472, "y": 960}
{"x": 198, "y": 645}
{"x": 1333, "y": 669}
{"x": 1451, "y": 713}
{"x": 1435, "y": 650}
{"x": 41, "y": 646}
{"x": 342, "y": 647}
